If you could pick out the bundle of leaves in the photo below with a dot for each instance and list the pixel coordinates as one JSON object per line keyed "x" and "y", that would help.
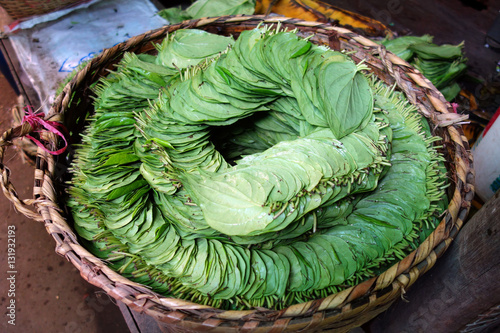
{"x": 208, "y": 8}
{"x": 441, "y": 64}
{"x": 260, "y": 172}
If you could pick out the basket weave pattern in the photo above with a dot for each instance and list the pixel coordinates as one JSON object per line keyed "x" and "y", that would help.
{"x": 342, "y": 311}
{"x": 20, "y": 9}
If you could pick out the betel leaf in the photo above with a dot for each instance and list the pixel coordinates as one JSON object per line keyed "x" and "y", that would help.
{"x": 208, "y": 8}
{"x": 401, "y": 45}
{"x": 434, "y": 52}
{"x": 451, "y": 91}
{"x": 121, "y": 158}
{"x": 189, "y": 47}
{"x": 118, "y": 192}
{"x": 346, "y": 96}
{"x": 306, "y": 47}
{"x": 174, "y": 14}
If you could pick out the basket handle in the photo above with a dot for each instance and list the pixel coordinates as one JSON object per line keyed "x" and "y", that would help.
{"x": 23, "y": 206}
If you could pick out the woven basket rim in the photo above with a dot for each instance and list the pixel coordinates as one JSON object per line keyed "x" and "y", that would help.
{"x": 373, "y": 295}
{"x": 23, "y": 10}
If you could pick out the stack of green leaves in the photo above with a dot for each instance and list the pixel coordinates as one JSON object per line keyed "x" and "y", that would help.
{"x": 208, "y": 8}
{"x": 441, "y": 64}
{"x": 259, "y": 172}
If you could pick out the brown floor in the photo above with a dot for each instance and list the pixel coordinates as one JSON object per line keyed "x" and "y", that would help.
{"x": 50, "y": 296}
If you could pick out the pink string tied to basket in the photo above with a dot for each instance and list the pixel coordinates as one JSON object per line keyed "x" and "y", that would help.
{"x": 37, "y": 123}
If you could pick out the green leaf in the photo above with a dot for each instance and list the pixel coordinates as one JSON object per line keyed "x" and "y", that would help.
{"x": 432, "y": 51}
{"x": 451, "y": 91}
{"x": 118, "y": 192}
{"x": 208, "y": 8}
{"x": 302, "y": 50}
{"x": 401, "y": 45}
{"x": 174, "y": 14}
{"x": 346, "y": 97}
{"x": 188, "y": 47}
{"x": 120, "y": 159}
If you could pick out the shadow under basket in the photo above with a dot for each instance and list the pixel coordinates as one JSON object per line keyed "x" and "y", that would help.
{"x": 342, "y": 311}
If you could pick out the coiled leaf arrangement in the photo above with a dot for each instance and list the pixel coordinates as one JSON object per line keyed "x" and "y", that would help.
{"x": 260, "y": 172}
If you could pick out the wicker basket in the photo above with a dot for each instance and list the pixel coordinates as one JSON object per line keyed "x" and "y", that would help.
{"x": 342, "y": 311}
{"x": 21, "y": 9}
